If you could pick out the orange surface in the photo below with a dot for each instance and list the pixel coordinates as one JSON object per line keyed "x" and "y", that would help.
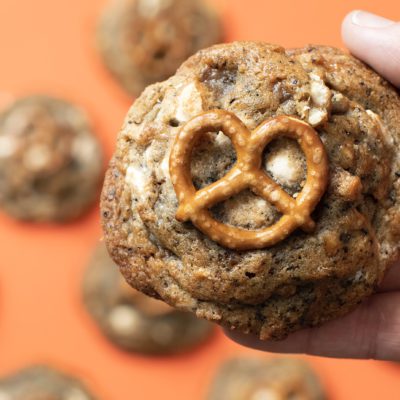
{"x": 47, "y": 46}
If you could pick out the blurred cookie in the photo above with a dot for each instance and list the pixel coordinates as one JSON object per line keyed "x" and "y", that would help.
{"x": 50, "y": 162}
{"x": 42, "y": 383}
{"x": 258, "y": 379}
{"x": 133, "y": 320}
{"x": 168, "y": 201}
{"x": 145, "y": 41}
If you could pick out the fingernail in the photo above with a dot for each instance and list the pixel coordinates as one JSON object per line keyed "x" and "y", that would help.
{"x": 368, "y": 20}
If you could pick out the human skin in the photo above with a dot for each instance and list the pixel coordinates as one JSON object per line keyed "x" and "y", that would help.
{"x": 372, "y": 331}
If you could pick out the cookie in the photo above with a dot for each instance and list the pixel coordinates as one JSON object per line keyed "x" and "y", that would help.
{"x": 317, "y": 207}
{"x": 260, "y": 379}
{"x": 50, "y": 162}
{"x": 132, "y": 320}
{"x": 42, "y": 383}
{"x": 143, "y": 41}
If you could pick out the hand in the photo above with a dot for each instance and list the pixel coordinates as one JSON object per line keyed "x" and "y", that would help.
{"x": 373, "y": 329}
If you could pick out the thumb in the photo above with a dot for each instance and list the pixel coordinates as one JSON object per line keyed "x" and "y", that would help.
{"x": 376, "y": 41}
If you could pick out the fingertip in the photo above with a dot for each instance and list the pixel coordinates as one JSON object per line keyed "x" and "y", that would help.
{"x": 347, "y": 19}
{"x": 374, "y": 40}
{"x": 241, "y": 338}
{"x": 354, "y": 36}
{"x": 295, "y": 343}
{"x": 347, "y": 27}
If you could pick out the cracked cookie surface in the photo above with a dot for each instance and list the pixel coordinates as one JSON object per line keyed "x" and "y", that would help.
{"x": 306, "y": 279}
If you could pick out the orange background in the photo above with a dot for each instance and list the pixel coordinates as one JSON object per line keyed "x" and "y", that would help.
{"x": 47, "y": 46}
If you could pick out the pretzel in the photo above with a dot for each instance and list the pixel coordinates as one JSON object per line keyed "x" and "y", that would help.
{"x": 247, "y": 174}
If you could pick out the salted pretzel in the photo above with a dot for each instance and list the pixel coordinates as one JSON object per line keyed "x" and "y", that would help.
{"x": 247, "y": 173}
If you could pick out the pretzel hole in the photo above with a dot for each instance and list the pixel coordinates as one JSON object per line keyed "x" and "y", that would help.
{"x": 213, "y": 156}
{"x": 285, "y": 163}
{"x": 247, "y": 211}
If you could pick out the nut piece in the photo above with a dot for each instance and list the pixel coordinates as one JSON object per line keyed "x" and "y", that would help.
{"x": 332, "y": 242}
{"x": 321, "y": 101}
{"x": 346, "y": 185}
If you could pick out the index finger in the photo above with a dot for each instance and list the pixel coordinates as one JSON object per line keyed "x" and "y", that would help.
{"x": 375, "y": 40}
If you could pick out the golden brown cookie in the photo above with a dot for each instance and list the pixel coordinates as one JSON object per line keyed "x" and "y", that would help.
{"x": 329, "y": 253}
{"x": 42, "y": 383}
{"x": 145, "y": 41}
{"x": 260, "y": 379}
{"x": 132, "y": 320}
{"x": 50, "y": 161}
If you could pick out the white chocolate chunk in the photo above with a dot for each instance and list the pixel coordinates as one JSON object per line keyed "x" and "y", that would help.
{"x": 148, "y": 153}
{"x": 320, "y": 101}
{"x": 320, "y": 94}
{"x": 124, "y": 320}
{"x": 316, "y": 116}
{"x": 266, "y": 394}
{"x": 164, "y": 166}
{"x": 221, "y": 139}
{"x": 37, "y": 156}
{"x": 8, "y": 146}
{"x": 189, "y": 104}
{"x": 358, "y": 276}
{"x": 138, "y": 178}
{"x": 283, "y": 167}
{"x": 84, "y": 148}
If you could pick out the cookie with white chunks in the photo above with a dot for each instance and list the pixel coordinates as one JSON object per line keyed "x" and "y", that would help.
{"x": 272, "y": 379}
{"x": 333, "y": 214}
{"x": 145, "y": 41}
{"x": 42, "y": 383}
{"x": 51, "y": 164}
{"x": 134, "y": 321}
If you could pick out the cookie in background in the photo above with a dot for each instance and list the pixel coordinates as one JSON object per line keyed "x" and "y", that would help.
{"x": 51, "y": 163}
{"x": 132, "y": 320}
{"x": 266, "y": 379}
{"x": 145, "y": 41}
{"x": 42, "y": 383}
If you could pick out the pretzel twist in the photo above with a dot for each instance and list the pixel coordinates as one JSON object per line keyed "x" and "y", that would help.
{"x": 247, "y": 173}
